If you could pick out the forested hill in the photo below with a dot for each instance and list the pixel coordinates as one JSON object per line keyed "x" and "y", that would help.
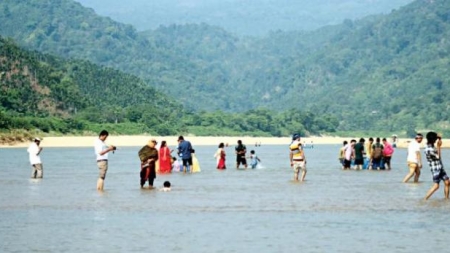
{"x": 52, "y": 94}
{"x": 40, "y": 91}
{"x": 67, "y": 29}
{"x": 385, "y": 72}
{"x": 244, "y": 17}
{"x": 390, "y": 72}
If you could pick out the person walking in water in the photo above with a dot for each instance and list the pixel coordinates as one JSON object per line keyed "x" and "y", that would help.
{"x": 434, "y": 158}
{"x": 34, "y": 150}
{"x": 241, "y": 150}
{"x": 414, "y": 159}
{"x": 101, "y": 152}
{"x": 297, "y": 157}
{"x": 148, "y": 155}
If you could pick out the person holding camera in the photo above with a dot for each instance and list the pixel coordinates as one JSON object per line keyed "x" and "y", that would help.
{"x": 101, "y": 152}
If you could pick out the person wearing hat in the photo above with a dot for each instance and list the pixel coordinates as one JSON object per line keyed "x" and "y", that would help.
{"x": 297, "y": 157}
{"x": 148, "y": 156}
{"x": 34, "y": 150}
{"x": 184, "y": 151}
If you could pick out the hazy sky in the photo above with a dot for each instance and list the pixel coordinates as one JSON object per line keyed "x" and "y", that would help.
{"x": 241, "y": 16}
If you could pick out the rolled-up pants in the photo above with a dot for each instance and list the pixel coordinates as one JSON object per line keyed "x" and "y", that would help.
{"x": 37, "y": 170}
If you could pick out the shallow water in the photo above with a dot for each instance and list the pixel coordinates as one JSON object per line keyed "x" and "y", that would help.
{"x": 217, "y": 211}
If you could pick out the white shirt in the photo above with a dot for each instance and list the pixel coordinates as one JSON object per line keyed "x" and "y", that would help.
{"x": 33, "y": 151}
{"x": 99, "y": 147}
{"x": 348, "y": 151}
{"x": 413, "y": 147}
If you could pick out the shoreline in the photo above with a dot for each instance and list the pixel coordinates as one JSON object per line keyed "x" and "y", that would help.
{"x": 141, "y": 140}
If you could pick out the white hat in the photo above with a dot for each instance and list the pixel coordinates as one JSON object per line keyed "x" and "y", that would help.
{"x": 37, "y": 139}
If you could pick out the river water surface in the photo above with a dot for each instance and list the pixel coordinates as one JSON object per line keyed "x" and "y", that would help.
{"x": 259, "y": 210}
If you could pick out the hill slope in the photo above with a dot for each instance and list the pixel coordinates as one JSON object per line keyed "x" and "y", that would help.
{"x": 249, "y": 17}
{"x": 37, "y": 86}
{"x": 44, "y": 92}
{"x": 366, "y": 72}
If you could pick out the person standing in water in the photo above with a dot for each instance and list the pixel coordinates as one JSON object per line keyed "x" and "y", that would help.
{"x": 434, "y": 159}
{"x": 220, "y": 156}
{"x": 241, "y": 150}
{"x": 342, "y": 154}
{"x": 377, "y": 155}
{"x": 34, "y": 150}
{"x": 359, "y": 154}
{"x": 184, "y": 150}
{"x": 165, "y": 159}
{"x": 349, "y": 153}
{"x": 101, "y": 152}
{"x": 254, "y": 159}
{"x": 148, "y": 156}
{"x": 368, "y": 150}
{"x": 388, "y": 151}
{"x": 414, "y": 159}
{"x": 297, "y": 157}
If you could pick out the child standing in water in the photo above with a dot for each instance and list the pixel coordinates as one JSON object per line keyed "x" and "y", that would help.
{"x": 254, "y": 159}
{"x": 195, "y": 164}
{"x": 176, "y": 165}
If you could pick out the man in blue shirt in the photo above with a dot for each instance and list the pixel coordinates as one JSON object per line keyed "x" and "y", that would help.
{"x": 184, "y": 151}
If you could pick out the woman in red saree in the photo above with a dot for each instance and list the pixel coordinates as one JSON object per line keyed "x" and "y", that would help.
{"x": 165, "y": 159}
{"x": 220, "y": 156}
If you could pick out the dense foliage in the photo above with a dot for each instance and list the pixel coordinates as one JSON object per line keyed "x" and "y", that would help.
{"x": 384, "y": 73}
{"x": 245, "y": 17}
{"x": 69, "y": 96}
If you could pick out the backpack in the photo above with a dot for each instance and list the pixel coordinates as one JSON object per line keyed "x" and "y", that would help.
{"x": 377, "y": 151}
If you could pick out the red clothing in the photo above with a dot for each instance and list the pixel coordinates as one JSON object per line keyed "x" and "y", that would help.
{"x": 221, "y": 163}
{"x": 165, "y": 160}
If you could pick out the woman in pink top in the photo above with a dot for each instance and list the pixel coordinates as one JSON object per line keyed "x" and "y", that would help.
{"x": 165, "y": 159}
{"x": 388, "y": 150}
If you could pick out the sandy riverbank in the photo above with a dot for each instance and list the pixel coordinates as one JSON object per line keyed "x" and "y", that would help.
{"x": 130, "y": 141}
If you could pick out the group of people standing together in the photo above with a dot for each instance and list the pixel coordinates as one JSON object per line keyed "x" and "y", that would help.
{"x": 155, "y": 161}
{"x": 162, "y": 161}
{"x": 241, "y": 156}
{"x": 378, "y": 156}
{"x": 371, "y": 156}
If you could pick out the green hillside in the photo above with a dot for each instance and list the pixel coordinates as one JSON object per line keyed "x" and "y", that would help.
{"x": 51, "y": 94}
{"x": 391, "y": 70}
{"x": 381, "y": 73}
{"x": 249, "y": 17}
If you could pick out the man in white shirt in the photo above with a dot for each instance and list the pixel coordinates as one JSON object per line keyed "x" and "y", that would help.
{"x": 34, "y": 151}
{"x": 414, "y": 159}
{"x": 101, "y": 152}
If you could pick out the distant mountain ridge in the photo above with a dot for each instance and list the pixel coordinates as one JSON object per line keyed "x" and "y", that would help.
{"x": 243, "y": 17}
{"x": 365, "y": 72}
